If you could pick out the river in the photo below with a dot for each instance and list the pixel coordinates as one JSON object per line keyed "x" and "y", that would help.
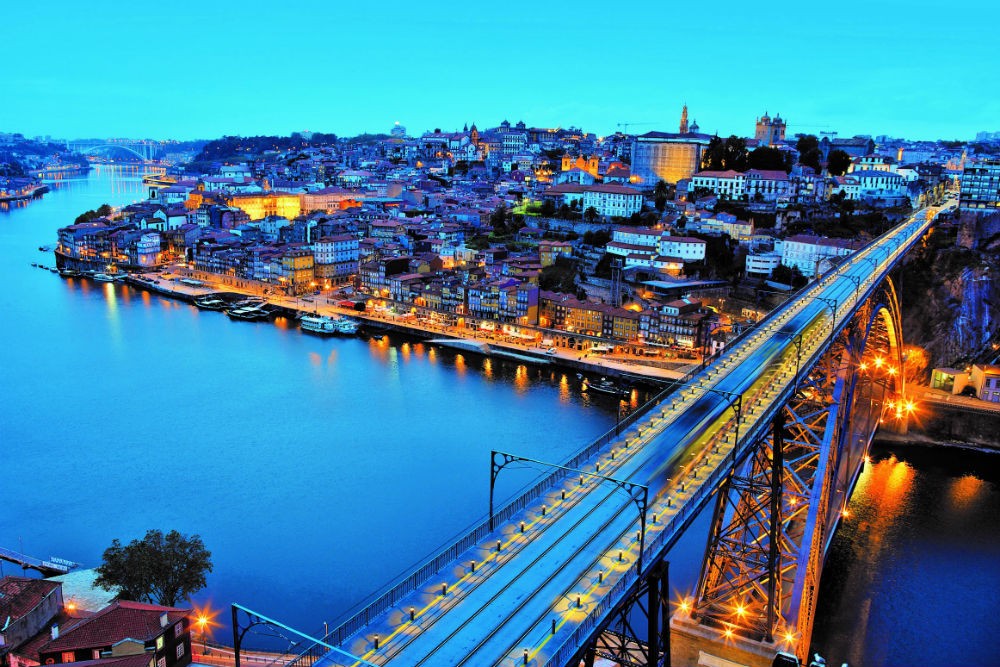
{"x": 316, "y": 470}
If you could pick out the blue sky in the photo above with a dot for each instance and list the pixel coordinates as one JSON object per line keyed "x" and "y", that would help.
{"x": 188, "y": 70}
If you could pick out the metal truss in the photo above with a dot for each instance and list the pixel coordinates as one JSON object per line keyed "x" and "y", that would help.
{"x": 775, "y": 515}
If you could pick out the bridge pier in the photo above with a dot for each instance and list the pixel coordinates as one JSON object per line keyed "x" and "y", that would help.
{"x": 692, "y": 643}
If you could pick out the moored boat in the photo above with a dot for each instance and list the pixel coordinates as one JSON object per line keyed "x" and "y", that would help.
{"x": 346, "y": 326}
{"x": 603, "y": 386}
{"x": 68, "y": 273}
{"x": 210, "y": 304}
{"x": 103, "y": 277}
{"x": 251, "y": 313}
{"x": 319, "y": 324}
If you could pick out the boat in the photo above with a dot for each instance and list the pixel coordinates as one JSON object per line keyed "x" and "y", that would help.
{"x": 68, "y": 273}
{"x": 45, "y": 248}
{"x": 377, "y": 337}
{"x": 346, "y": 326}
{"x": 251, "y": 313}
{"x": 319, "y": 324}
{"x": 103, "y": 277}
{"x": 603, "y": 386}
{"x": 210, "y": 304}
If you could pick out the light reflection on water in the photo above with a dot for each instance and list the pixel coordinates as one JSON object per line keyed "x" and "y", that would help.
{"x": 912, "y": 576}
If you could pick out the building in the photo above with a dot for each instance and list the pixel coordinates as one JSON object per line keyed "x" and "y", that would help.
{"x": 769, "y": 131}
{"x": 665, "y": 156}
{"x": 612, "y": 200}
{"x": 124, "y": 628}
{"x": 26, "y": 607}
{"x": 683, "y": 247}
{"x": 980, "y": 187}
{"x": 805, "y": 252}
{"x": 264, "y": 204}
{"x": 986, "y": 380}
{"x": 336, "y": 257}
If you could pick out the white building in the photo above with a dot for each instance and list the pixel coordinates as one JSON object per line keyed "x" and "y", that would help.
{"x": 612, "y": 200}
{"x": 762, "y": 264}
{"x": 684, "y": 247}
{"x": 805, "y": 252}
{"x": 728, "y": 184}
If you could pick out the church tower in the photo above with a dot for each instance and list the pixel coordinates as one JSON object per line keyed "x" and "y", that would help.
{"x": 684, "y": 119}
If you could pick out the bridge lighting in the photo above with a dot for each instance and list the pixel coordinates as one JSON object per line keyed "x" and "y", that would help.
{"x": 728, "y": 632}
{"x": 910, "y": 407}
{"x": 892, "y": 370}
{"x": 845, "y": 513}
{"x": 789, "y": 637}
{"x": 685, "y": 606}
{"x": 740, "y": 610}
{"x": 878, "y": 362}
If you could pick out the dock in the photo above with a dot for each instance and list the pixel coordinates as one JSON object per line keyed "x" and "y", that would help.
{"x": 49, "y": 568}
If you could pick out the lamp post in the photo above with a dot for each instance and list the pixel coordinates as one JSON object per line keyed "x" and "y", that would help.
{"x": 202, "y": 623}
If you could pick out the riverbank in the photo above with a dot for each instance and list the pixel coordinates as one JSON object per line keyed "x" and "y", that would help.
{"x": 466, "y": 340}
{"x": 944, "y": 420}
{"x": 32, "y": 192}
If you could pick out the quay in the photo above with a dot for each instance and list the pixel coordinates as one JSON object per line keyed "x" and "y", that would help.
{"x": 48, "y": 568}
{"x": 180, "y": 286}
{"x": 33, "y": 192}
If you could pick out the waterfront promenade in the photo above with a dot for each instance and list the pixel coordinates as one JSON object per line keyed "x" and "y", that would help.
{"x": 657, "y": 369}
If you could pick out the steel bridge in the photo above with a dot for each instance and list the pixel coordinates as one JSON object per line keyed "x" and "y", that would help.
{"x": 143, "y": 149}
{"x": 772, "y": 434}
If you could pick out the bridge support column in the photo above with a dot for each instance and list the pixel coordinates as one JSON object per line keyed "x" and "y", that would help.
{"x": 625, "y": 640}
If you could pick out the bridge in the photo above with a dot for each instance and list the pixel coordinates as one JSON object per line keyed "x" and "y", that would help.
{"x": 773, "y": 435}
{"x": 143, "y": 149}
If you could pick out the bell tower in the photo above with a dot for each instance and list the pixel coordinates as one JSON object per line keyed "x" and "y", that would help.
{"x": 684, "y": 119}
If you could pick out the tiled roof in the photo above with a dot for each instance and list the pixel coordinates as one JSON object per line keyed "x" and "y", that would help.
{"x": 19, "y": 595}
{"x": 121, "y": 620}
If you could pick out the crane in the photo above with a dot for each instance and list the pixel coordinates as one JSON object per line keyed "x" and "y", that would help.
{"x": 624, "y": 125}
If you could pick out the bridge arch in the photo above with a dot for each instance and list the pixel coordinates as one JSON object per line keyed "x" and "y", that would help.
{"x": 90, "y": 150}
{"x": 774, "y": 520}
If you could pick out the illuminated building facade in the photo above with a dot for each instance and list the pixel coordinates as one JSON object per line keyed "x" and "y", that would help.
{"x": 261, "y": 205}
{"x": 666, "y": 156}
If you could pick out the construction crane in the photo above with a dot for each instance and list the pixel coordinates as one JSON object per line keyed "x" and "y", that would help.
{"x": 624, "y": 125}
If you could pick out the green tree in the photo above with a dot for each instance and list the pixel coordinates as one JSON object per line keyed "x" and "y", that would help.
{"x": 809, "y": 153}
{"x": 771, "y": 159}
{"x": 590, "y": 215}
{"x": 722, "y": 154}
{"x": 548, "y": 208}
{"x": 162, "y": 569}
{"x": 498, "y": 220}
{"x": 837, "y": 162}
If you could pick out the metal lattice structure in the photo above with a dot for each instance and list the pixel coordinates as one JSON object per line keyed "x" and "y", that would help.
{"x": 777, "y": 513}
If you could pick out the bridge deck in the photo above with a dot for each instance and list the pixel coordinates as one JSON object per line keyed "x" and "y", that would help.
{"x": 545, "y": 589}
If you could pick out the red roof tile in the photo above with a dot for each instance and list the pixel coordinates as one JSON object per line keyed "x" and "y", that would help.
{"x": 120, "y": 620}
{"x": 19, "y": 595}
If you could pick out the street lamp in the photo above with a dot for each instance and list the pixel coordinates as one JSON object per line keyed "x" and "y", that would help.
{"x": 202, "y": 623}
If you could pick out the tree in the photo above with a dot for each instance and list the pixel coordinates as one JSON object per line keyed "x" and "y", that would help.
{"x": 809, "y": 153}
{"x": 837, "y": 162}
{"x": 771, "y": 159}
{"x": 162, "y": 569}
{"x": 498, "y": 220}
{"x": 590, "y": 214}
{"x": 722, "y": 154}
{"x": 548, "y": 208}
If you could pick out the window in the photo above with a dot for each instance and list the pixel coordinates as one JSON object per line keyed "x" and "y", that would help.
{"x": 178, "y": 629}
{"x": 162, "y": 662}
{"x": 180, "y": 649}
{"x": 68, "y": 656}
{"x": 159, "y": 643}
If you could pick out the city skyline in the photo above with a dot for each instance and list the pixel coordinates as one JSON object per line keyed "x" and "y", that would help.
{"x": 212, "y": 72}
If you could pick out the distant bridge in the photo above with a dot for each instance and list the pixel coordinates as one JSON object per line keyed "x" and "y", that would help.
{"x": 49, "y": 568}
{"x": 145, "y": 150}
{"x": 773, "y": 433}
